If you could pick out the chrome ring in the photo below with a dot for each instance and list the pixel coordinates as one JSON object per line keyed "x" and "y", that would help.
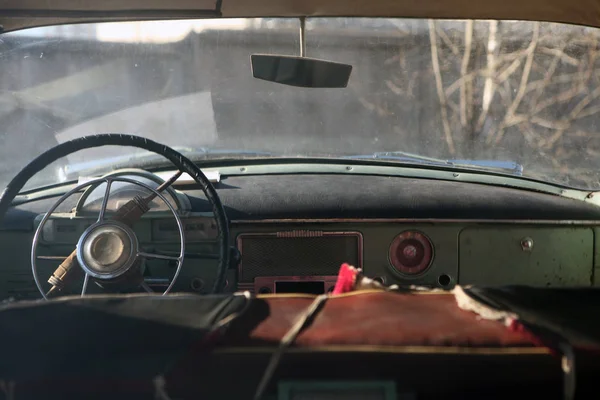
{"x": 84, "y": 250}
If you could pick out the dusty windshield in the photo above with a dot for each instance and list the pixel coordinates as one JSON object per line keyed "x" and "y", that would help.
{"x": 520, "y": 92}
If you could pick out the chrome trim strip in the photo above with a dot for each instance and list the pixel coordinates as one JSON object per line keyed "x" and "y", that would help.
{"x": 415, "y": 221}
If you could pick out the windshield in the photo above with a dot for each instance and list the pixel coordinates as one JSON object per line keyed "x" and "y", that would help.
{"x": 525, "y": 93}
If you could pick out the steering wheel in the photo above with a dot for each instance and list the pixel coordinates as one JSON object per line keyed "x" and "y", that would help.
{"x": 108, "y": 250}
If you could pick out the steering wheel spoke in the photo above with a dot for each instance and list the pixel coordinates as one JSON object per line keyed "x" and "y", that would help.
{"x": 159, "y": 256}
{"x": 105, "y": 200}
{"x": 86, "y": 280}
{"x": 147, "y": 288}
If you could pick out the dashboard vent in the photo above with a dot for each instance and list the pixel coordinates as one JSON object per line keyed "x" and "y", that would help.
{"x": 297, "y": 253}
{"x": 297, "y": 234}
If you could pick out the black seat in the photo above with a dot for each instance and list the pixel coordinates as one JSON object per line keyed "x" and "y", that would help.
{"x": 134, "y": 336}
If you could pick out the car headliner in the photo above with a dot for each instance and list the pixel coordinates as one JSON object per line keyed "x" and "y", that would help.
{"x": 18, "y": 14}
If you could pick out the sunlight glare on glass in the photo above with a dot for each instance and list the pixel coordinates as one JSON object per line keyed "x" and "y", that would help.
{"x": 137, "y": 32}
{"x": 162, "y": 31}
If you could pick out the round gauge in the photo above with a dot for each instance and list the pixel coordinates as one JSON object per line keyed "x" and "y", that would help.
{"x": 411, "y": 253}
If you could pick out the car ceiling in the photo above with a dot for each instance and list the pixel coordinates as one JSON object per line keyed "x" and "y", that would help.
{"x": 18, "y": 14}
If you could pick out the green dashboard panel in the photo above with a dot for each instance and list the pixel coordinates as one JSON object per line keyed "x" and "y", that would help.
{"x": 471, "y": 252}
{"x": 377, "y": 238}
{"x": 464, "y": 252}
{"x": 537, "y": 256}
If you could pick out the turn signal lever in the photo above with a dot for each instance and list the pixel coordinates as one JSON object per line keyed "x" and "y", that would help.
{"x": 128, "y": 214}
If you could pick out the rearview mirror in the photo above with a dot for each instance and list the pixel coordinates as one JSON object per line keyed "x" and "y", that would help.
{"x": 300, "y": 71}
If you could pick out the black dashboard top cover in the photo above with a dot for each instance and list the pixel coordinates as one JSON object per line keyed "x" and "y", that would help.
{"x": 107, "y": 336}
{"x": 329, "y": 196}
{"x": 370, "y": 196}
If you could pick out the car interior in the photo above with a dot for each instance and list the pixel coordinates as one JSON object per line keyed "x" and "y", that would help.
{"x": 168, "y": 246}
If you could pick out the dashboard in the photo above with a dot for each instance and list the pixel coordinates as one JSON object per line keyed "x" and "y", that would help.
{"x": 291, "y": 233}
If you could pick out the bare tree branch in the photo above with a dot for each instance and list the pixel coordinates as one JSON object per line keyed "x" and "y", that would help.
{"x": 439, "y": 86}
{"x": 574, "y": 114}
{"x": 547, "y": 76}
{"x": 558, "y": 98}
{"x": 589, "y": 112}
{"x": 465, "y": 87}
{"x": 489, "y": 87}
{"x": 508, "y": 71}
{"x": 524, "y": 79}
{"x": 556, "y": 80}
{"x": 560, "y": 54}
{"x": 448, "y": 42}
{"x": 544, "y": 88}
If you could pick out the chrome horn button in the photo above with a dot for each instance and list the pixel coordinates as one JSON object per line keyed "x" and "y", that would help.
{"x": 107, "y": 249}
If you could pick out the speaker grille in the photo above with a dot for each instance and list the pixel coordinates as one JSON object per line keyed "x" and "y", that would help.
{"x": 297, "y": 253}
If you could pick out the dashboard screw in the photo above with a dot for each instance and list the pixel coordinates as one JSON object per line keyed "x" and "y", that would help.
{"x": 527, "y": 244}
{"x": 456, "y": 175}
{"x": 243, "y": 169}
{"x": 348, "y": 168}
